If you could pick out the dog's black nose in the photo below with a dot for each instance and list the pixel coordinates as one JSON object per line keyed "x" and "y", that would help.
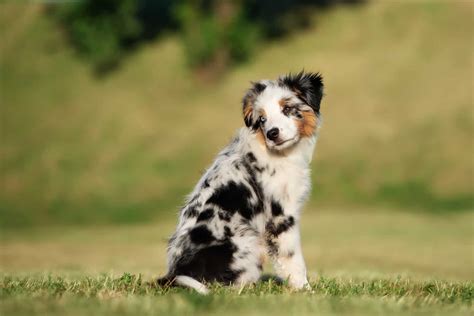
{"x": 273, "y": 133}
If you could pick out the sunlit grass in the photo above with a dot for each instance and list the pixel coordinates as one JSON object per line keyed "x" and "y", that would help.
{"x": 360, "y": 262}
{"x": 131, "y": 294}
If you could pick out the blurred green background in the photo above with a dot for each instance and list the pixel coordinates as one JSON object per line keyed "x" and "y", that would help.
{"x": 111, "y": 110}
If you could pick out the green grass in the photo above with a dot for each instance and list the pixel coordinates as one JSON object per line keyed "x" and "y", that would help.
{"x": 131, "y": 295}
{"x": 128, "y": 147}
{"x": 360, "y": 262}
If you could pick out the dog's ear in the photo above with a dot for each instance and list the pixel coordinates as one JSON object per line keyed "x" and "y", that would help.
{"x": 249, "y": 100}
{"x": 307, "y": 86}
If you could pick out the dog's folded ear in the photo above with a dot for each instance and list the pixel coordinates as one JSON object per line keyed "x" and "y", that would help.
{"x": 248, "y": 102}
{"x": 307, "y": 86}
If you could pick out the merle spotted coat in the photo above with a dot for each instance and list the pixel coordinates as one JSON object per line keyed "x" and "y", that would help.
{"x": 247, "y": 205}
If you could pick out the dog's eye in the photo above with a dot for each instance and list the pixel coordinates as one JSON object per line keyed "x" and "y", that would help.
{"x": 262, "y": 119}
{"x": 286, "y": 110}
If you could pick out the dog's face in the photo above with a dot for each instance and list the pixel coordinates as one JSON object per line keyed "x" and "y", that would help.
{"x": 284, "y": 111}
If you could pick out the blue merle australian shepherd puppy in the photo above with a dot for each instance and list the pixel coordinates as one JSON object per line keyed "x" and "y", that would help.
{"x": 247, "y": 205}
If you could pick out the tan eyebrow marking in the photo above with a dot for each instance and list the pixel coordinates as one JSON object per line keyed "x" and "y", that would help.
{"x": 284, "y": 102}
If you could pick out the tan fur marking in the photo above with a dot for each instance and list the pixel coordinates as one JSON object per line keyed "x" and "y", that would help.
{"x": 248, "y": 109}
{"x": 283, "y": 102}
{"x": 260, "y": 137}
{"x": 307, "y": 125}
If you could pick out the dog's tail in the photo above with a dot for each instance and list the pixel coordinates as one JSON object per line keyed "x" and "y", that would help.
{"x": 185, "y": 281}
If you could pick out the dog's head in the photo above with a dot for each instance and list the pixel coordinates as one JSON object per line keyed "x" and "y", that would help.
{"x": 285, "y": 110}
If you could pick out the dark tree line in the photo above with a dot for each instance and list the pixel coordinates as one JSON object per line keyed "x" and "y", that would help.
{"x": 214, "y": 33}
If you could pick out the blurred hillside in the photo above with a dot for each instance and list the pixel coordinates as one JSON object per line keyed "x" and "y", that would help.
{"x": 215, "y": 34}
{"x": 397, "y": 114}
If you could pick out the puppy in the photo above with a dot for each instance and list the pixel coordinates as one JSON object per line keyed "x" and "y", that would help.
{"x": 247, "y": 205}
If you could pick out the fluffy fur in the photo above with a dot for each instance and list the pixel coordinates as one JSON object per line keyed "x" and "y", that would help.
{"x": 247, "y": 205}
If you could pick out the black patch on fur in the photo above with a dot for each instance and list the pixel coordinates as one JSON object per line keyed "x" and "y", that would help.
{"x": 257, "y": 168}
{"x": 232, "y": 198}
{"x": 259, "y": 87}
{"x": 248, "y": 121}
{"x": 257, "y": 188}
{"x": 252, "y": 161}
{"x": 224, "y": 216}
{"x": 276, "y": 208}
{"x": 251, "y": 157}
{"x": 191, "y": 211}
{"x": 205, "y": 215}
{"x": 256, "y": 126}
{"x": 276, "y": 230}
{"x": 227, "y": 232}
{"x": 201, "y": 235}
{"x": 210, "y": 264}
{"x": 272, "y": 246}
{"x": 307, "y": 86}
{"x": 205, "y": 184}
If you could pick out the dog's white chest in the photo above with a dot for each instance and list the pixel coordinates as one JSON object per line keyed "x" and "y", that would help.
{"x": 287, "y": 179}
{"x": 287, "y": 182}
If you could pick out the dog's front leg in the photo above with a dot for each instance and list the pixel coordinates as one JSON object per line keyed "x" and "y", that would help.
{"x": 283, "y": 240}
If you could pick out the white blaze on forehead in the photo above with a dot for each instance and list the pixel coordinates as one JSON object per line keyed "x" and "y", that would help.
{"x": 270, "y": 97}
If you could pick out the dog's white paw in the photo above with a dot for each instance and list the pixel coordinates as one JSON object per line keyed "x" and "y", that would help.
{"x": 300, "y": 284}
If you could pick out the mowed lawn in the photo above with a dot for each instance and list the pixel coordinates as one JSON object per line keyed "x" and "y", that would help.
{"x": 359, "y": 263}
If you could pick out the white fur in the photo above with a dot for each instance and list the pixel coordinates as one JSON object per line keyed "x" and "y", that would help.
{"x": 291, "y": 184}
{"x": 186, "y": 281}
